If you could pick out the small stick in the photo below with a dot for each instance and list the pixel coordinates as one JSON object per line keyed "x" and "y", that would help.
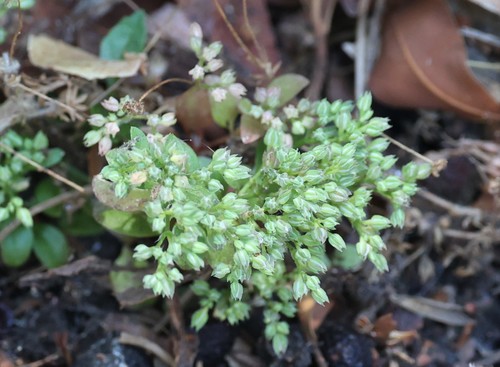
{"x": 237, "y": 38}
{"x": 41, "y": 168}
{"x": 156, "y": 86}
{"x": 47, "y": 98}
{"x": 18, "y": 31}
{"x": 437, "y": 166}
{"x": 360, "y": 61}
{"x": 453, "y": 209}
{"x": 260, "y": 50}
{"x": 44, "y": 205}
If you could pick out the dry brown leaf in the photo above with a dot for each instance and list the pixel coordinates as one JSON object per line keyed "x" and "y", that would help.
{"x": 193, "y": 113}
{"x": 423, "y": 63}
{"x": 384, "y": 326}
{"x": 311, "y": 314}
{"x": 48, "y": 53}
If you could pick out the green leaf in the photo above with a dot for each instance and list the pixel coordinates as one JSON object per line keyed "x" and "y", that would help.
{"x": 290, "y": 86}
{"x": 180, "y": 147}
{"x": 45, "y": 190}
{"x": 224, "y": 113}
{"x": 50, "y": 245}
{"x": 16, "y": 248}
{"x": 133, "y": 224}
{"x": 128, "y": 35}
{"x": 54, "y": 156}
{"x": 80, "y": 223}
{"x": 40, "y": 141}
{"x": 134, "y": 200}
{"x": 348, "y": 259}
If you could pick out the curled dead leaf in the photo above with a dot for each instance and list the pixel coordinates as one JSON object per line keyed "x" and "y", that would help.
{"x": 48, "y": 53}
{"x": 423, "y": 63}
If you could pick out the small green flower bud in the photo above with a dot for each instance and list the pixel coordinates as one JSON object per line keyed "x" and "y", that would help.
{"x": 336, "y": 241}
{"x": 241, "y": 258}
{"x": 364, "y": 102}
{"x": 299, "y": 289}
{"x": 378, "y": 222}
{"x": 195, "y": 261}
{"x": 315, "y": 265}
{"x": 273, "y": 138}
{"x": 424, "y": 170}
{"x": 376, "y": 126}
{"x": 398, "y": 218}
{"x": 236, "y": 291}
{"x": 379, "y": 261}
{"x": 312, "y": 282}
{"x": 362, "y": 248}
{"x": 378, "y": 145}
{"x": 121, "y": 189}
{"x": 221, "y": 270}
{"x": 199, "y": 247}
{"x": 142, "y": 252}
{"x": 319, "y": 296}
{"x": 342, "y": 121}
{"x": 92, "y": 137}
{"x": 323, "y": 108}
{"x": 388, "y": 162}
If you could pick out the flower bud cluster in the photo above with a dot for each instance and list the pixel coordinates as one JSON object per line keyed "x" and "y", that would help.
{"x": 243, "y": 225}
{"x": 119, "y": 113}
{"x": 220, "y": 86}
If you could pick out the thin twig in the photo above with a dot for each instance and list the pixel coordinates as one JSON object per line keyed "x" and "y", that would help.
{"x": 237, "y": 38}
{"x": 18, "y": 30}
{"x": 156, "y": 86}
{"x": 44, "y": 205}
{"x": 452, "y": 208}
{"x": 320, "y": 13}
{"x": 41, "y": 168}
{"x": 105, "y": 93}
{"x": 42, "y": 362}
{"x": 148, "y": 345}
{"x": 132, "y": 5}
{"x": 47, "y": 98}
{"x": 476, "y": 64}
{"x": 437, "y": 166}
{"x": 262, "y": 53}
{"x": 360, "y": 60}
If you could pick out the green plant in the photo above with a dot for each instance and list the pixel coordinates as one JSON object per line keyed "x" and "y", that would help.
{"x": 262, "y": 229}
{"x": 18, "y": 157}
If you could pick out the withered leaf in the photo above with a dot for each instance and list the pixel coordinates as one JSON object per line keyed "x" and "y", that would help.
{"x": 48, "y": 53}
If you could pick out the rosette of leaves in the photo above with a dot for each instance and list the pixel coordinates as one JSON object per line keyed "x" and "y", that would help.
{"x": 264, "y": 231}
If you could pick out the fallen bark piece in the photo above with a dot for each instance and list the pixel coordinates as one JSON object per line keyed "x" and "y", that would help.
{"x": 48, "y": 53}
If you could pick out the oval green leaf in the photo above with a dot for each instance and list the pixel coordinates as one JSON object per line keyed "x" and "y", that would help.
{"x": 16, "y": 248}
{"x": 133, "y": 224}
{"x": 128, "y": 35}
{"x": 290, "y": 85}
{"x": 50, "y": 245}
